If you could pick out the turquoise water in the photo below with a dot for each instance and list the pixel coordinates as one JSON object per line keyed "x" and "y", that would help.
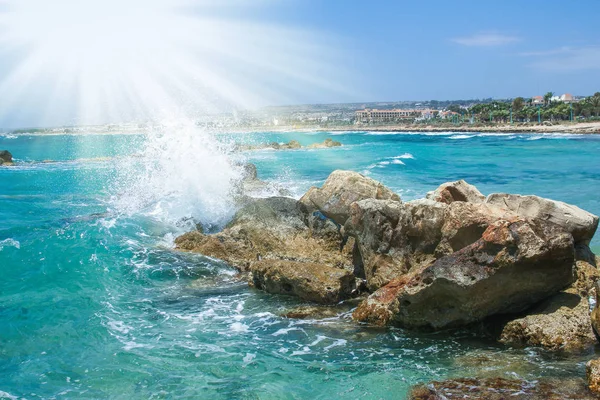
{"x": 94, "y": 302}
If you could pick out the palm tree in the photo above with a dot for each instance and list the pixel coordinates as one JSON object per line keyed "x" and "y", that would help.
{"x": 547, "y": 98}
{"x": 595, "y": 102}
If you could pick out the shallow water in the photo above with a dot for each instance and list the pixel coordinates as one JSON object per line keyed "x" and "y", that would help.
{"x": 94, "y": 303}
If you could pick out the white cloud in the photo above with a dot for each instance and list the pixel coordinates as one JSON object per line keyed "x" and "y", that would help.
{"x": 566, "y": 59}
{"x": 486, "y": 39}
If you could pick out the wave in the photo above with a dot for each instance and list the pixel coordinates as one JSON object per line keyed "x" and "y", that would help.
{"x": 181, "y": 172}
{"x": 455, "y": 137}
{"x": 9, "y": 243}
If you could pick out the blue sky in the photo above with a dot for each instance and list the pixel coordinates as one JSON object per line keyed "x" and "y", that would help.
{"x": 464, "y": 49}
{"x": 73, "y": 61}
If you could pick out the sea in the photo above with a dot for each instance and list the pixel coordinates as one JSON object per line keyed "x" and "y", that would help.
{"x": 95, "y": 302}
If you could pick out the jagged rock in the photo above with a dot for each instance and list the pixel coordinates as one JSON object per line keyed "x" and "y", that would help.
{"x": 326, "y": 144}
{"x": 559, "y": 323}
{"x": 456, "y": 191}
{"x": 5, "y": 157}
{"x": 250, "y": 186}
{"x": 394, "y": 238}
{"x": 581, "y": 224}
{"x": 340, "y": 190}
{"x": 502, "y": 389}
{"x": 308, "y": 281}
{"x": 592, "y": 372}
{"x": 513, "y": 266}
{"x": 272, "y": 228}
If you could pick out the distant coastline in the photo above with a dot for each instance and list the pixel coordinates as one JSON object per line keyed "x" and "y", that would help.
{"x": 558, "y": 128}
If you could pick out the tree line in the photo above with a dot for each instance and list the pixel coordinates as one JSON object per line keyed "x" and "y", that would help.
{"x": 524, "y": 110}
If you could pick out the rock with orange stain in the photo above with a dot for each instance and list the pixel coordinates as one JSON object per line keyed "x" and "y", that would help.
{"x": 511, "y": 267}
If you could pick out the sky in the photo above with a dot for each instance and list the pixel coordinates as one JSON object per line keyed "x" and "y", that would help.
{"x": 94, "y": 61}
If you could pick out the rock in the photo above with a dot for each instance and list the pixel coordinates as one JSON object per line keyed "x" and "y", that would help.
{"x": 560, "y": 322}
{"x": 308, "y": 281}
{"x": 502, "y": 389}
{"x": 456, "y": 191}
{"x": 340, "y": 190}
{"x": 595, "y": 315}
{"x": 249, "y": 171}
{"x": 592, "y": 372}
{"x": 581, "y": 224}
{"x": 393, "y": 238}
{"x": 275, "y": 228}
{"x": 5, "y": 157}
{"x": 514, "y": 265}
{"x": 251, "y": 187}
{"x": 326, "y": 144}
{"x": 320, "y": 311}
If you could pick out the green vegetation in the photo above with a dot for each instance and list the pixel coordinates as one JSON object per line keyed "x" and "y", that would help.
{"x": 524, "y": 111}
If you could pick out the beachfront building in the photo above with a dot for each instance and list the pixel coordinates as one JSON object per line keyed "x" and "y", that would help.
{"x": 537, "y": 101}
{"x": 395, "y": 115}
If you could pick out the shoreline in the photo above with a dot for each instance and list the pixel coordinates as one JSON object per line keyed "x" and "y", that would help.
{"x": 588, "y": 128}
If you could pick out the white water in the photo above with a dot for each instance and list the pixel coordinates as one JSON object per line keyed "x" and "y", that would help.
{"x": 182, "y": 172}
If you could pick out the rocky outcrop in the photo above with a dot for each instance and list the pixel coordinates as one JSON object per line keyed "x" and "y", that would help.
{"x": 446, "y": 261}
{"x": 513, "y": 266}
{"x": 340, "y": 191}
{"x": 308, "y": 281}
{"x": 592, "y": 372}
{"x": 502, "y": 389}
{"x": 579, "y": 223}
{"x": 282, "y": 246}
{"x": 456, "y": 191}
{"x": 5, "y": 158}
{"x": 276, "y": 228}
{"x": 326, "y": 144}
{"x": 291, "y": 145}
{"x": 561, "y": 322}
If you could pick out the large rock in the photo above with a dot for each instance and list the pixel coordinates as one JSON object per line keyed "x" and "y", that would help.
{"x": 309, "y": 281}
{"x": 456, "y": 191}
{"x": 5, "y": 157}
{"x": 559, "y": 323}
{"x": 394, "y": 238}
{"x": 502, "y": 389}
{"x": 514, "y": 265}
{"x": 273, "y": 228}
{"x": 581, "y": 224}
{"x": 341, "y": 190}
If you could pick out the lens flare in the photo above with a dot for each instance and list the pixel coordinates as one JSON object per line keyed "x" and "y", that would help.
{"x": 99, "y": 61}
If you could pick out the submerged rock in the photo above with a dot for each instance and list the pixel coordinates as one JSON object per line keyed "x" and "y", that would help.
{"x": 502, "y": 389}
{"x": 5, "y": 157}
{"x": 513, "y": 266}
{"x": 341, "y": 190}
{"x": 308, "y": 281}
{"x": 456, "y": 191}
{"x": 579, "y": 223}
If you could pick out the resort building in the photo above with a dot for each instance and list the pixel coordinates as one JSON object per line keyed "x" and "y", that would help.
{"x": 537, "y": 101}
{"x": 374, "y": 115}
